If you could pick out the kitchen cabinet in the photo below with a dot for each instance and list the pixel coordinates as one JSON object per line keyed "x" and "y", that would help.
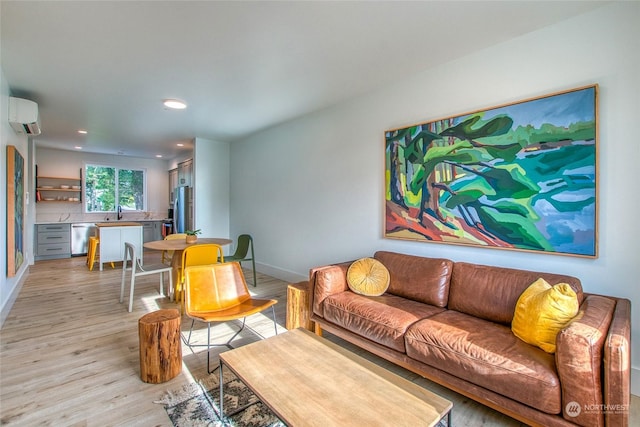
{"x": 173, "y": 184}
{"x": 58, "y": 189}
{"x": 113, "y": 236}
{"x": 152, "y": 230}
{"x": 185, "y": 173}
{"x": 53, "y": 241}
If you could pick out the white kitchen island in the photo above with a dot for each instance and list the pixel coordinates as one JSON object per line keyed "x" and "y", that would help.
{"x": 113, "y": 235}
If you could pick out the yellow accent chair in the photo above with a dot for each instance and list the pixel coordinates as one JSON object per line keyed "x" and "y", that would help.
{"x": 207, "y": 253}
{"x": 219, "y": 293}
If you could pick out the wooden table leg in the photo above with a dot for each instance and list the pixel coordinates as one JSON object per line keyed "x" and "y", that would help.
{"x": 176, "y": 263}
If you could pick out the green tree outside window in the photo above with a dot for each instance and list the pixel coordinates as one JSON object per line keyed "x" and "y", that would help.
{"x": 108, "y": 187}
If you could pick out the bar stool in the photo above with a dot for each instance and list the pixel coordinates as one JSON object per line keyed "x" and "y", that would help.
{"x": 92, "y": 252}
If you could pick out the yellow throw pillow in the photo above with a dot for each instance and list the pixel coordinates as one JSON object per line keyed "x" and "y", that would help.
{"x": 542, "y": 311}
{"x": 368, "y": 276}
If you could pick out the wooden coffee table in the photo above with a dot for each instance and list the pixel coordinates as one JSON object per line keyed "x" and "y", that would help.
{"x": 309, "y": 381}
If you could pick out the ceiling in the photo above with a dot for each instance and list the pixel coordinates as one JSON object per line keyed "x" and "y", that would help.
{"x": 241, "y": 66}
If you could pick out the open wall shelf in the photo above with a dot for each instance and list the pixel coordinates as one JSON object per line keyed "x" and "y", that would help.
{"x": 50, "y": 189}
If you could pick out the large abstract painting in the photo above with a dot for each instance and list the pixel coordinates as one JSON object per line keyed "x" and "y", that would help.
{"x": 519, "y": 176}
{"x": 15, "y": 210}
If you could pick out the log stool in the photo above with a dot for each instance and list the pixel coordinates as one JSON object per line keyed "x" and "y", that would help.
{"x": 298, "y": 315}
{"x": 160, "y": 346}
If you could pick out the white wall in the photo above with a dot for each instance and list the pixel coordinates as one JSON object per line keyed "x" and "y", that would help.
{"x": 211, "y": 188}
{"x": 64, "y": 163}
{"x": 10, "y": 286}
{"x": 311, "y": 191}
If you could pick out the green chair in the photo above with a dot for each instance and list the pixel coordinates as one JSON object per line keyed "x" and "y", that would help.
{"x": 245, "y": 242}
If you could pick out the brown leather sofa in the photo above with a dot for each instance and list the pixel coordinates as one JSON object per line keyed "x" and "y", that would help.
{"x": 451, "y": 323}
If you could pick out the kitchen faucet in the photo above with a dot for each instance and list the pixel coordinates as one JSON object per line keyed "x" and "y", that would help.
{"x": 119, "y": 212}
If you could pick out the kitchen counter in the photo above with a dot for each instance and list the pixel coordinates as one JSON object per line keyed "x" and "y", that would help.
{"x": 114, "y": 234}
{"x": 93, "y": 221}
{"x": 118, "y": 224}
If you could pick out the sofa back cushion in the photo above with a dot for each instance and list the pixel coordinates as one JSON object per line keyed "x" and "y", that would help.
{"x": 418, "y": 278}
{"x": 491, "y": 293}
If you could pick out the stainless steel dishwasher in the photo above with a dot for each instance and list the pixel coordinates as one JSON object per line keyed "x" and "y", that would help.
{"x": 80, "y": 233}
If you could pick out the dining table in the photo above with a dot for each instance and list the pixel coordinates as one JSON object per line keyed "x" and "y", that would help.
{"x": 178, "y": 246}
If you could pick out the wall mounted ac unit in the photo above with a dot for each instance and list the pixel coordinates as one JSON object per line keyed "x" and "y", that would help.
{"x": 23, "y": 116}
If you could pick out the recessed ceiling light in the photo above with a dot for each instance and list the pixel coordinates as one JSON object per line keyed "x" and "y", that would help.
{"x": 158, "y": 155}
{"x": 175, "y": 104}
{"x": 77, "y": 147}
{"x": 82, "y": 131}
{"x": 180, "y": 145}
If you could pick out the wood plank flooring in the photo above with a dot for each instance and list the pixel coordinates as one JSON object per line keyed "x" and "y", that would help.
{"x": 69, "y": 351}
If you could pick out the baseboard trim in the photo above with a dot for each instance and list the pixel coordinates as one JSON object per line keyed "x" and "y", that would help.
{"x": 280, "y": 273}
{"x": 6, "y": 308}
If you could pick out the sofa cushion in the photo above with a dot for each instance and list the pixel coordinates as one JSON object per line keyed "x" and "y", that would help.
{"x": 418, "y": 278}
{"x": 489, "y": 355}
{"x": 542, "y": 311}
{"x": 383, "y": 319}
{"x": 368, "y": 276}
{"x": 491, "y": 292}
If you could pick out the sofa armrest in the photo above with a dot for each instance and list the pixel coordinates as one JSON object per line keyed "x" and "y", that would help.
{"x": 325, "y": 281}
{"x": 617, "y": 366}
{"x": 579, "y": 361}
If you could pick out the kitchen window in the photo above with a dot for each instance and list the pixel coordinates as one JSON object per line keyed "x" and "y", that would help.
{"x": 107, "y": 188}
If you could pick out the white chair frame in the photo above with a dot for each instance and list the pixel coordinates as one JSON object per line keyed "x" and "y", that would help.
{"x": 137, "y": 269}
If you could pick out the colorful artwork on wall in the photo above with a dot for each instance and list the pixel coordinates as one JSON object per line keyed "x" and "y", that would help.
{"x": 519, "y": 176}
{"x": 15, "y": 210}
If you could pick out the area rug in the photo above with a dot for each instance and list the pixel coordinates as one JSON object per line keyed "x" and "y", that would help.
{"x": 198, "y": 404}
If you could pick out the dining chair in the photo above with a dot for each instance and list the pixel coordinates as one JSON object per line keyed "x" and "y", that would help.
{"x": 219, "y": 293}
{"x": 168, "y": 255}
{"x": 130, "y": 254}
{"x": 245, "y": 243}
{"x": 206, "y": 253}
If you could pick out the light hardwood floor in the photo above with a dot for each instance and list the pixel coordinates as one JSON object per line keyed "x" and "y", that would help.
{"x": 69, "y": 352}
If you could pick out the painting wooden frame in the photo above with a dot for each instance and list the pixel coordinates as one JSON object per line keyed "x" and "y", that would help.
{"x": 520, "y": 176}
{"x": 15, "y": 210}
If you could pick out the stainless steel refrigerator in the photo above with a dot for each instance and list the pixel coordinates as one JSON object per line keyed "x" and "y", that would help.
{"x": 182, "y": 210}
